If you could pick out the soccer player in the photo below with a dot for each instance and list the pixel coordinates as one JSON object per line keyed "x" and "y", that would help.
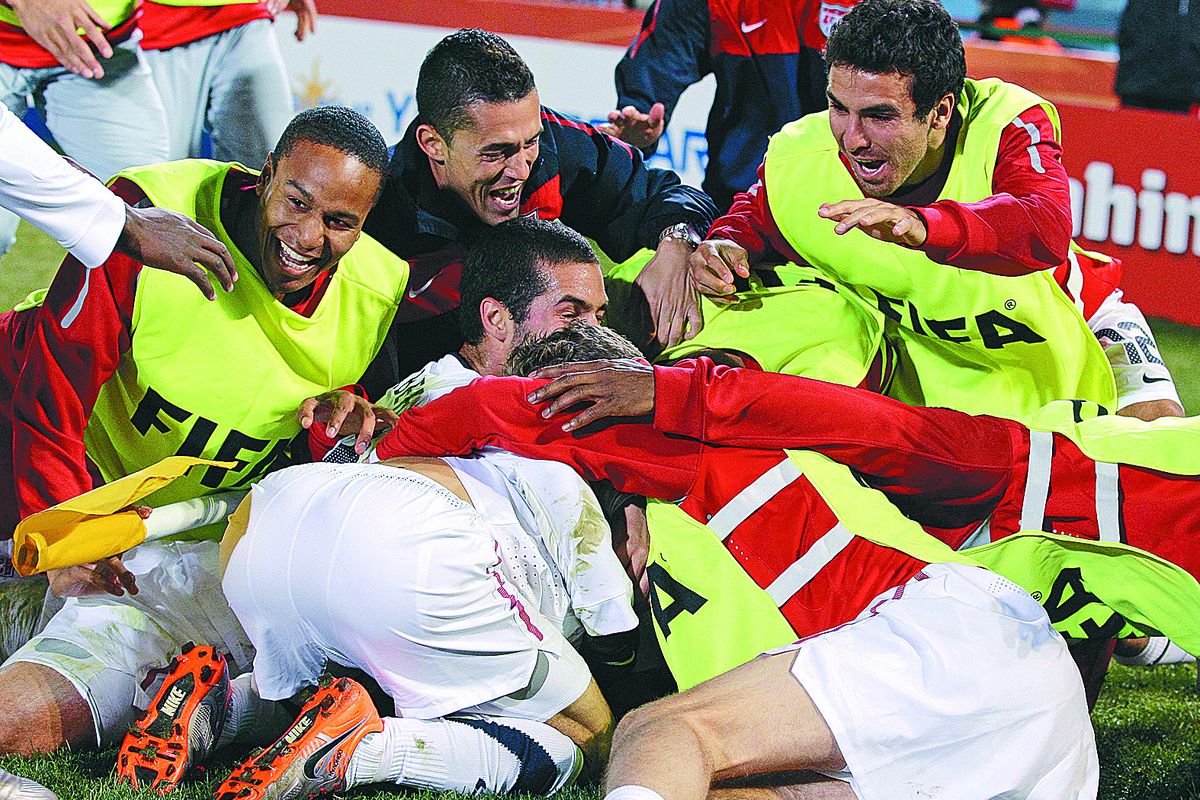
{"x": 826, "y": 551}
{"x": 148, "y": 369}
{"x": 90, "y": 222}
{"x": 944, "y": 202}
{"x": 482, "y": 150}
{"x": 533, "y": 523}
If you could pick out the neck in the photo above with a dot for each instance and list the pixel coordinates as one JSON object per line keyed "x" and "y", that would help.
{"x": 483, "y": 359}
{"x": 241, "y": 209}
{"x": 930, "y": 163}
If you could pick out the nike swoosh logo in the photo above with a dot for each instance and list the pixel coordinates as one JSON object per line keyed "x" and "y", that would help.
{"x": 412, "y": 293}
{"x": 1148, "y": 379}
{"x": 750, "y": 28}
{"x": 316, "y": 759}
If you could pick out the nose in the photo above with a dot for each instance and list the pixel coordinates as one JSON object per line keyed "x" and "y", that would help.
{"x": 855, "y": 138}
{"x": 520, "y": 164}
{"x": 310, "y": 234}
{"x": 589, "y": 317}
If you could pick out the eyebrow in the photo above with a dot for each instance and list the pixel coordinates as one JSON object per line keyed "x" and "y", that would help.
{"x": 307, "y": 194}
{"x": 576, "y": 301}
{"x": 345, "y": 216}
{"x": 509, "y": 145}
{"x": 878, "y": 108}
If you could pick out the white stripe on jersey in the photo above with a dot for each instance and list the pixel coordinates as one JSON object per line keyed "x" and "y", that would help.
{"x": 1035, "y": 138}
{"x": 805, "y": 568}
{"x": 1037, "y": 480}
{"x": 753, "y": 497}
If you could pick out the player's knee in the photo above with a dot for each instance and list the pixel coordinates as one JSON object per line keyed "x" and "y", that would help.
{"x": 41, "y": 711}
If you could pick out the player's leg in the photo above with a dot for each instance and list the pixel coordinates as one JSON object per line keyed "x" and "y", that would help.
{"x": 754, "y": 719}
{"x": 180, "y": 78}
{"x": 250, "y": 102}
{"x": 41, "y": 710}
{"x": 112, "y": 123}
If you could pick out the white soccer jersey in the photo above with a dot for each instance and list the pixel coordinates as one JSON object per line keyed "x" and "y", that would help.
{"x": 553, "y": 506}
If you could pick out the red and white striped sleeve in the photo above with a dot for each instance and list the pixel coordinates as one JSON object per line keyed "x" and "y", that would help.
{"x": 1025, "y": 225}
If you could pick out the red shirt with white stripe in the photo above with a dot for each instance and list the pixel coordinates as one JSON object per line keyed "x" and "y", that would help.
{"x": 789, "y": 526}
{"x": 947, "y": 470}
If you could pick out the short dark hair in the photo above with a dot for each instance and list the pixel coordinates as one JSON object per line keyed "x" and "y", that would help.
{"x": 915, "y": 38}
{"x": 341, "y": 128}
{"x": 579, "y": 341}
{"x": 467, "y": 67}
{"x": 508, "y": 262}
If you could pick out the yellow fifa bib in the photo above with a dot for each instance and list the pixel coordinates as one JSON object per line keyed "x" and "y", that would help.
{"x": 967, "y": 340}
{"x": 222, "y": 379}
{"x": 804, "y": 324}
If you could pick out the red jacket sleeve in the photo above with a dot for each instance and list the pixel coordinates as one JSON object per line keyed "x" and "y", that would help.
{"x": 749, "y": 223}
{"x": 77, "y": 337}
{"x": 932, "y": 453}
{"x": 1025, "y": 225}
{"x": 494, "y": 412}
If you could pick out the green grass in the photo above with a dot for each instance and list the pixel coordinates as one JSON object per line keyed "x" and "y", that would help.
{"x": 1146, "y": 721}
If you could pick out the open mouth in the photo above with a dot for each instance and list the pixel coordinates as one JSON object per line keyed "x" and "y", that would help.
{"x": 870, "y": 168}
{"x": 293, "y": 263}
{"x": 506, "y": 199}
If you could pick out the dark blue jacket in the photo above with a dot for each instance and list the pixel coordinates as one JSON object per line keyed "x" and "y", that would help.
{"x": 766, "y": 56}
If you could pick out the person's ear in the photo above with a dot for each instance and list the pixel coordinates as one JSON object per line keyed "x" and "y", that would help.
{"x": 497, "y": 321}
{"x": 943, "y": 110}
{"x": 264, "y": 177}
{"x": 432, "y": 143}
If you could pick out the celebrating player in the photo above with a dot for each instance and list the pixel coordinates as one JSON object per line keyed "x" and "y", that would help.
{"x": 482, "y": 150}
{"x": 944, "y": 202}
{"x": 497, "y": 529}
{"x": 763, "y": 529}
{"x": 151, "y": 370}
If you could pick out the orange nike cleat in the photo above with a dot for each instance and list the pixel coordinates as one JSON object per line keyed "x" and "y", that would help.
{"x": 182, "y": 724}
{"x": 311, "y": 758}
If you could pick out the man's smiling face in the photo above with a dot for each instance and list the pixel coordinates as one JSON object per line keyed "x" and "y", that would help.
{"x": 874, "y": 120}
{"x": 312, "y": 205}
{"x": 487, "y": 161}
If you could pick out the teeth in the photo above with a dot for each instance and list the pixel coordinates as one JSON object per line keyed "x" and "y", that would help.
{"x": 292, "y": 256}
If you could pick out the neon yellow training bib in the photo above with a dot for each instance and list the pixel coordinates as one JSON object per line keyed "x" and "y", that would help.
{"x": 968, "y": 340}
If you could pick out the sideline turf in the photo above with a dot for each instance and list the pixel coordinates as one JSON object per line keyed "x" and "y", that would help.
{"x": 1147, "y": 721}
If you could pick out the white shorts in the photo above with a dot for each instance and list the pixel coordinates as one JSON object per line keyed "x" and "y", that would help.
{"x": 953, "y": 685}
{"x": 387, "y": 571}
{"x": 107, "y": 646}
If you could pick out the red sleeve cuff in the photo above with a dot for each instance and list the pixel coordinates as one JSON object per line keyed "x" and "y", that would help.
{"x": 672, "y": 393}
{"x": 944, "y": 231}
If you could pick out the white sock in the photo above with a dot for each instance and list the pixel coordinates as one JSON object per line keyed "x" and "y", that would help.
{"x": 633, "y": 792}
{"x": 252, "y": 720}
{"x": 467, "y": 753}
{"x": 1159, "y": 650}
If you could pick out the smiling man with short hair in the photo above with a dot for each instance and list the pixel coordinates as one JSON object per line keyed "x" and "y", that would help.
{"x": 124, "y": 367}
{"x": 483, "y": 150}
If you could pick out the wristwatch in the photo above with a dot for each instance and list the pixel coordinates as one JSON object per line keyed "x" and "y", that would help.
{"x": 681, "y": 231}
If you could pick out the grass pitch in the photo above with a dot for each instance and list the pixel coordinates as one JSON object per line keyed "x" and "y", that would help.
{"x": 1147, "y": 721}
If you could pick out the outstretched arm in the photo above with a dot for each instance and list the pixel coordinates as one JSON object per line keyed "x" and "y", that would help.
{"x": 496, "y": 412}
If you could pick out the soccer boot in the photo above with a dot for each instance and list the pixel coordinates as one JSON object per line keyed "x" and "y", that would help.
{"x": 14, "y": 787}
{"x": 182, "y": 724}
{"x": 311, "y": 758}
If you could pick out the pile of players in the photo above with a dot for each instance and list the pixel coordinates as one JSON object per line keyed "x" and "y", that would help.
{"x": 481, "y": 525}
